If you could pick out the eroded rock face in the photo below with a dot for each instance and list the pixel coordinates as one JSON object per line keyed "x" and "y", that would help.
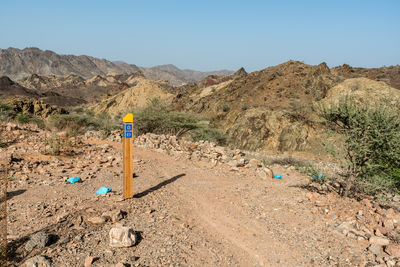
{"x": 34, "y": 107}
{"x": 264, "y": 129}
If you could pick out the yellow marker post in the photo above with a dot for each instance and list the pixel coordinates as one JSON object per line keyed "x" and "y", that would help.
{"x": 127, "y": 143}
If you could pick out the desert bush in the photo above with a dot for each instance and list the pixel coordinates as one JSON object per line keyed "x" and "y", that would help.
{"x": 225, "y": 108}
{"x": 245, "y": 107}
{"x": 208, "y": 134}
{"x": 7, "y": 113}
{"x": 371, "y": 149}
{"x": 31, "y": 119}
{"x": 157, "y": 118}
{"x": 74, "y": 124}
{"x": 79, "y": 123}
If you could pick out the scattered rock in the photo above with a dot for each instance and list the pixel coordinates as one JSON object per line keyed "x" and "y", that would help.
{"x": 265, "y": 173}
{"x": 97, "y": 220}
{"x": 381, "y": 241}
{"x": 37, "y": 261}
{"x": 254, "y": 164}
{"x": 88, "y": 261}
{"x": 393, "y": 250}
{"x": 37, "y": 240}
{"x": 375, "y": 249}
{"x": 122, "y": 237}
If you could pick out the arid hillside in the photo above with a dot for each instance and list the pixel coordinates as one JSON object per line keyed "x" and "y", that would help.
{"x": 140, "y": 91}
{"x": 389, "y": 75}
{"x": 273, "y": 108}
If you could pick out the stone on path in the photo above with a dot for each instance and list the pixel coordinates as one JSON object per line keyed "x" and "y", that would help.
{"x": 37, "y": 240}
{"x": 265, "y": 173}
{"x": 122, "y": 236}
{"x": 381, "y": 241}
{"x": 88, "y": 261}
{"x": 37, "y": 261}
{"x": 97, "y": 220}
{"x": 393, "y": 250}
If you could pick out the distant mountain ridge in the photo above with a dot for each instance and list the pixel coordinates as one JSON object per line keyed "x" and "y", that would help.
{"x": 20, "y": 63}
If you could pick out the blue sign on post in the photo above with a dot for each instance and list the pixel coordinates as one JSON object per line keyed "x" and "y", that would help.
{"x": 127, "y": 130}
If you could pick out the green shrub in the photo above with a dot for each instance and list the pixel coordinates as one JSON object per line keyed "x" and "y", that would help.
{"x": 225, "y": 108}
{"x": 7, "y": 113}
{"x": 371, "y": 149}
{"x": 208, "y": 134}
{"x": 23, "y": 118}
{"x": 27, "y": 118}
{"x": 74, "y": 124}
{"x": 245, "y": 107}
{"x": 157, "y": 118}
{"x": 78, "y": 123}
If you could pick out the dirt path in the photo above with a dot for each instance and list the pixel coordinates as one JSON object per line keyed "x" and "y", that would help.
{"x": 256, "y": 222}
{"x": 186, "y": 213}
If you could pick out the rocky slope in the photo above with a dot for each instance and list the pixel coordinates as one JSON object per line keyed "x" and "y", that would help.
{"x": 11, "y": 89}
{"x": 18, "y": 64}
{"x": 274, "y": 108}
{"x": 138, "y": 93}
{"x": 263, "y": 109}
{"x": 389, "y": 75}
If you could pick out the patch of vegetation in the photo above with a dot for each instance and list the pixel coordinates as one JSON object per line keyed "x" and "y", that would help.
{"x": 27, "y": 118}
{"x": 79, "y": 123}
{"x": 58, "y": 145}
{"x": 7, "y": 112}
{"x": 245, "y": 107}
{"x": 208, "y": 134}
{"x": 157, "y": 118}
{"x": 225, "y": 107}
{"x": 370, "y": 153}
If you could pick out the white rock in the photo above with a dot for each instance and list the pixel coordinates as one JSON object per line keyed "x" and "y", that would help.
{"x": 122, "y": 237}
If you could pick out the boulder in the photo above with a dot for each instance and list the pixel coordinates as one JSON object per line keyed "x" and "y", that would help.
{"x": 122, "y": 237}
{"x": 37, "y": 240}
{"x": 37, "y": 261}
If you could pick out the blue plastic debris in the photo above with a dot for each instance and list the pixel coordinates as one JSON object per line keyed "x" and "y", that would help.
{"x": 103, "y": 190}
{"x": 278, "y": 176}
{"x": 319, "y": 176}
{"x": 74, "y": 179}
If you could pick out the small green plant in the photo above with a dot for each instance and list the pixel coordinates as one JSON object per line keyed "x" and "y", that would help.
{"x": 23, "y": 118}
{"x": 225, "y": 108}
{"x": 245, "y": 107}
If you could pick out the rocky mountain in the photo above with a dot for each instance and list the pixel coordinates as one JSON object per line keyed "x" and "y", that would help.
{"x": 177, "y": 76}
{"x": 11, "y": 90}
{"x": 274, "y": 108}
{"x": 18, "y": 64}
{"x": 389, "y": 75}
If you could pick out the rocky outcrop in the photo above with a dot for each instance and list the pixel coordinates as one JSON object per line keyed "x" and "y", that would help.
{"x": 33, "y": 107}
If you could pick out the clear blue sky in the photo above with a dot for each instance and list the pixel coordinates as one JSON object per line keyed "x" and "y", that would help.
{"x": 208, "y": 35}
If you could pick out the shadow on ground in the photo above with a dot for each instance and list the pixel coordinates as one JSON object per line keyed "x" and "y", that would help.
{"x": 160, "y": 185}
